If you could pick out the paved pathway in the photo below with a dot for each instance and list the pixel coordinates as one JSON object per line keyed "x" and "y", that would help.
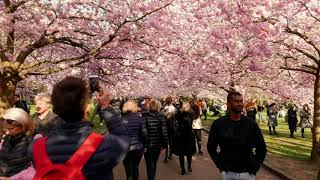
{"x": 202, "y": 166}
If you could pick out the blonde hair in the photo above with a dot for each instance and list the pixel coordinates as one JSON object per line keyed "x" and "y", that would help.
{"x": 43, "y": 97}
{"x": 130, "y": 106}
{"x": 154, "y": 105}
{"x": 19, "y": 115}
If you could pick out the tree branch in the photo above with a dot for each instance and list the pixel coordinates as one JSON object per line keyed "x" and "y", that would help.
{"x": 316, "y": 18}
{"x": 305, "y": 38}
{"x": 58, "y": 69}
{"x": 299, "y": 70}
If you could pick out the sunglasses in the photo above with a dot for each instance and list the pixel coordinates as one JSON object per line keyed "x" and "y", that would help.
{"x": 11, "y": 122}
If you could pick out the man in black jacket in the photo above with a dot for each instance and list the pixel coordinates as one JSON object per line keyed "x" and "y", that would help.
{"x": 45, "y": 120}
{"x": 237, "y": 137}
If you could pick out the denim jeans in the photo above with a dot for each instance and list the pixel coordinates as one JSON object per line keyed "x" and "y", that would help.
{"x": 237, "y": 176}
{"x": 151, "y": 157}
{"x": 131, "y": 164}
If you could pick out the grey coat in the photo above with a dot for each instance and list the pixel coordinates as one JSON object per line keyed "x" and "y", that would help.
{"x": 305, "y": 119}
{"x": 273, "y": 118}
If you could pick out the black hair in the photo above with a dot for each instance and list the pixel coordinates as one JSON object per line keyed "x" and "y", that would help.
{"x": 231, "y": 94}
{"x": 69, "y": 97}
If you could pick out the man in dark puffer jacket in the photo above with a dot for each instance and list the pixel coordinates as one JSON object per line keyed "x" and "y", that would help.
{"x": 69, "y": 100}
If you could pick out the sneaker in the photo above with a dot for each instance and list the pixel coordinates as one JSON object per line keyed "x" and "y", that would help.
{"x": 303, "y": 136}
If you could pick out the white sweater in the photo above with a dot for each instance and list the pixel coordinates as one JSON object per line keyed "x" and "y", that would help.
{"x": 197, "y": 124}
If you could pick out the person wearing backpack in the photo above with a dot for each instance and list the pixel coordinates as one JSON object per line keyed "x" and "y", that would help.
{"x": 73, "y": 151}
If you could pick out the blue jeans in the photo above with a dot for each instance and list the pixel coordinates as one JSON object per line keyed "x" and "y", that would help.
{"x": 151, "y": 156}
{"x": 237, "y": 176}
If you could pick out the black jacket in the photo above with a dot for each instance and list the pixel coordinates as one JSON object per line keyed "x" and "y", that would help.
{"x": 236, "y": 140}
{"x": 137, "y": 131}
{"x": 184, "y": 141}
{"x": 46, "y": 125}
{"x": 63, "y": 142}
{"x": 292, "y": 119}
{"x": 13, "y": 155}
{"x": 156, "y": 129}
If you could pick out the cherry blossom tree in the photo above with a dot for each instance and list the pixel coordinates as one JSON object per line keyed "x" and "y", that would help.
{"x": 289, "y": 30}
{"x": 47, "y": 37}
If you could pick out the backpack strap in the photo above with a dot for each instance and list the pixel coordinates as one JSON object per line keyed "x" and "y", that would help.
{"x": 40, "y": 155}
{"x": 85, "y": 151}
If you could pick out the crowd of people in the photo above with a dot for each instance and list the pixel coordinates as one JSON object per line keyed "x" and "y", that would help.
{"x": 273, "y": 112}
{"x": 58, "y": 140}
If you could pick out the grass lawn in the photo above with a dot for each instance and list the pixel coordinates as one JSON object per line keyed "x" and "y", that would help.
{"x": 280, "y": 144}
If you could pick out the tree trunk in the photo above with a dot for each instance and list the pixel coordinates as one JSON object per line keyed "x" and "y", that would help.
{"x": 315, "y": 154}
{"x": 7, "y": 92}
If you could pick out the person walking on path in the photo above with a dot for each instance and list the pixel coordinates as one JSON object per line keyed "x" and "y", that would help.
{"x": 237, "y": 136}
{"x": 184, "y": 140}
{"x": 251, "y": 110}
{"x": 197, "y": 125}
{"x": 169, "y": 112}
{"x": 22, "y": 104}
{"x": 157, "y": 136}
{"x": 204, "y": 108}
{"x": 292, "y": 119}
{"x": 260, "y": 110}
{"x": 70, "y": 98}
{"x": 138, "y": 139}
{"x": 272, "y": 118}
{"x": 305, "y": 119}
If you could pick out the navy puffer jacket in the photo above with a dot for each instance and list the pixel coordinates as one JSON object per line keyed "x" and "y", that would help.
{"x": 63, "y": 143}
{"x": 137, "y": 131}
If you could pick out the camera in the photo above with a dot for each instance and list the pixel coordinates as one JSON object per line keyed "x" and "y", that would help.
{"x": 94, "y": 83}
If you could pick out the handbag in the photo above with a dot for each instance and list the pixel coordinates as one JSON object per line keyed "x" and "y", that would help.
{"x": 308, "y": 124}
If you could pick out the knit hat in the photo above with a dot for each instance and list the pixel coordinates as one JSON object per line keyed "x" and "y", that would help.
{"x": 19, "y": 115}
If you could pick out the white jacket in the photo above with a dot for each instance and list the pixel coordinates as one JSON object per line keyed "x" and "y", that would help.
{"x": 197, "y": 124}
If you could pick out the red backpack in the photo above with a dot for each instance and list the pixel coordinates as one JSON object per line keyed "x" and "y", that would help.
{"x": 72, "y": 169}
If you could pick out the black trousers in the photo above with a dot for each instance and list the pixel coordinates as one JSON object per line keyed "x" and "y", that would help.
{"x": 131, "y": 164}
{"x": 169, "y": 147}
{"x": 151, "y": 157}
{"x": 197, "y": 133}
{"x": 205, "y": 114}
{"x": 181, "y": 161}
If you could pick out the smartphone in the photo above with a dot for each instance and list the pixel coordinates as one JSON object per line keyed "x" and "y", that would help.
{"x": 94, "y": 83}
